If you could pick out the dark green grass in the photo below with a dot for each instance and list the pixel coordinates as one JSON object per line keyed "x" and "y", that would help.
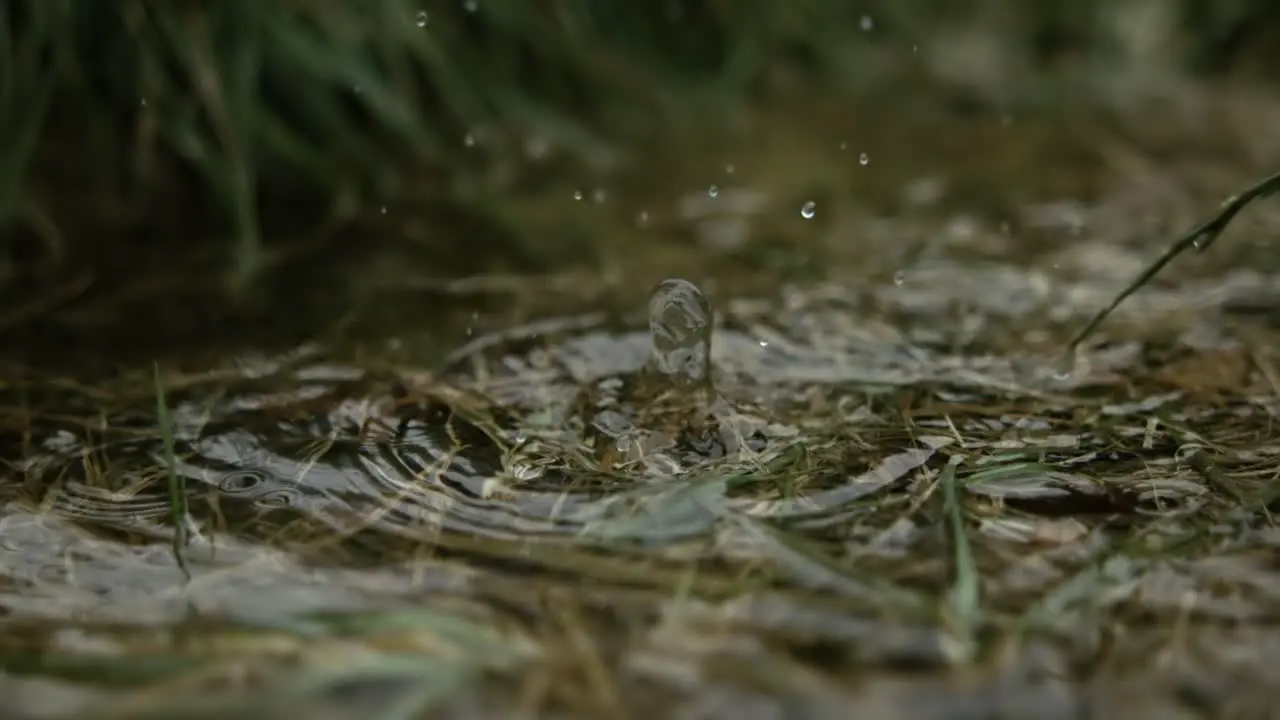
{"x": 242, "y": 127}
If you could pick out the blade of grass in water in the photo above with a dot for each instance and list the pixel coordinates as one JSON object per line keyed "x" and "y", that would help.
{"x": 807, "y": 563}
{"x": 965, "y": 596}
{"x": 1199, "y": 238}
{"x": 176, "y": 483}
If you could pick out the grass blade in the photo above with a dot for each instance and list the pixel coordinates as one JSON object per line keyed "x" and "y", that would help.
{"x": 965, "y": 597}
{"x": 1199, "y": 238}
{"x": 176, "y": 483}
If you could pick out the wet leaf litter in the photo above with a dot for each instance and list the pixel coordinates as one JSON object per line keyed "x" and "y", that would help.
{"x": 769, "y": 479}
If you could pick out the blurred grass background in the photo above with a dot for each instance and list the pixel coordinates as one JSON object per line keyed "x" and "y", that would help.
{"x": 227, "y": 154}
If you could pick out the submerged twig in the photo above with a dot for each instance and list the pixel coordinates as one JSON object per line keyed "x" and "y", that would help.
{"x": 1199, "y": 238}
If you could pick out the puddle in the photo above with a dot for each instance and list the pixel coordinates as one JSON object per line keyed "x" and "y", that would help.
{"x": 878, "y": 491}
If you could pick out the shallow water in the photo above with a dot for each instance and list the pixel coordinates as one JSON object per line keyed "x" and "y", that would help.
{"x": 1115, "y": 504}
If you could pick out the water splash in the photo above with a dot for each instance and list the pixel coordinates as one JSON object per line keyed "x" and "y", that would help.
{"x": 680, "y": 329}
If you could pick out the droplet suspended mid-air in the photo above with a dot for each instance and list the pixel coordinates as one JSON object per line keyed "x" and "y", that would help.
{"x": 422, "y": 18}
{"x": 680, "y": 328}
{"x": 712, "y": 192}
{"x": 864, "y": 159}
{"x": 808, "y": 210}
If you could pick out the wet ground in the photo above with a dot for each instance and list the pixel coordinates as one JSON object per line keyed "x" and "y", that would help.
{"x": 842, "y": 470}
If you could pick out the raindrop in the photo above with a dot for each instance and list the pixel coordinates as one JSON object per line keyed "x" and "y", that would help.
{"x": 577, "y": 194}
{"x": 713, "y": 191}
{"x": 599, "y": 196}
{"x": 471, "y": 5}
{"x": 642, "y": 219}
{"x": 864, "y": 159}
{"x": 808, "y": 210}
{"x": 383, "y": 209}
{"x": 680, "y": 325}
{"x": 866, "y": 23}
{"x": 422, "y": 18}
{"x": 144, "y": 102}
{"x": 899, "y": 278}
{"x": 729, "y": 169}
{"x": 844, "y": 146}
{"x": 469, "y": 140}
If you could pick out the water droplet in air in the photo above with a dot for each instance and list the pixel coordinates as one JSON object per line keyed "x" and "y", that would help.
{"x": 577, "y": 194}
{"x": 469, "y": 140}
{"x": 866, "y": 23}
{"x": 383, "y": 209}
{"x": 899, "y": 278}
{"x": 844, "y": 146}
{"x": 422, "y": 18}
{"x": 713, "y": 191}
{"x": 808, "y": 210}
{"x": 680, "y": 325}
{"x": 729, "y": 169}
{"x": 471, "y": 5}
{"x": 863, "y": 159}
{"x": 642, "y": 219}
{"x": 599, "y": 195}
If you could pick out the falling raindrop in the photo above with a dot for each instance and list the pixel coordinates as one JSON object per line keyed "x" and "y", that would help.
{"x": 471, "y": 5}
{"x": 729, "y": 169}
{"x": 867, "y": 23}
{"x": 469, "y": 140}
{"x": 808, "y": 210}
{"x": 383, "y": 209}
{"x": 864, "y": 159}
{"x": 642, "y": 219}
{"x": 680, "y": 325}
{"x": 844, "y": 146}
{"x": 899, "y": 278}
{"x": 599, "y": 195}
{"x": 422, "y": 18}
{"x": 713, "y": 191}
{"x": 577, "y": 194}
